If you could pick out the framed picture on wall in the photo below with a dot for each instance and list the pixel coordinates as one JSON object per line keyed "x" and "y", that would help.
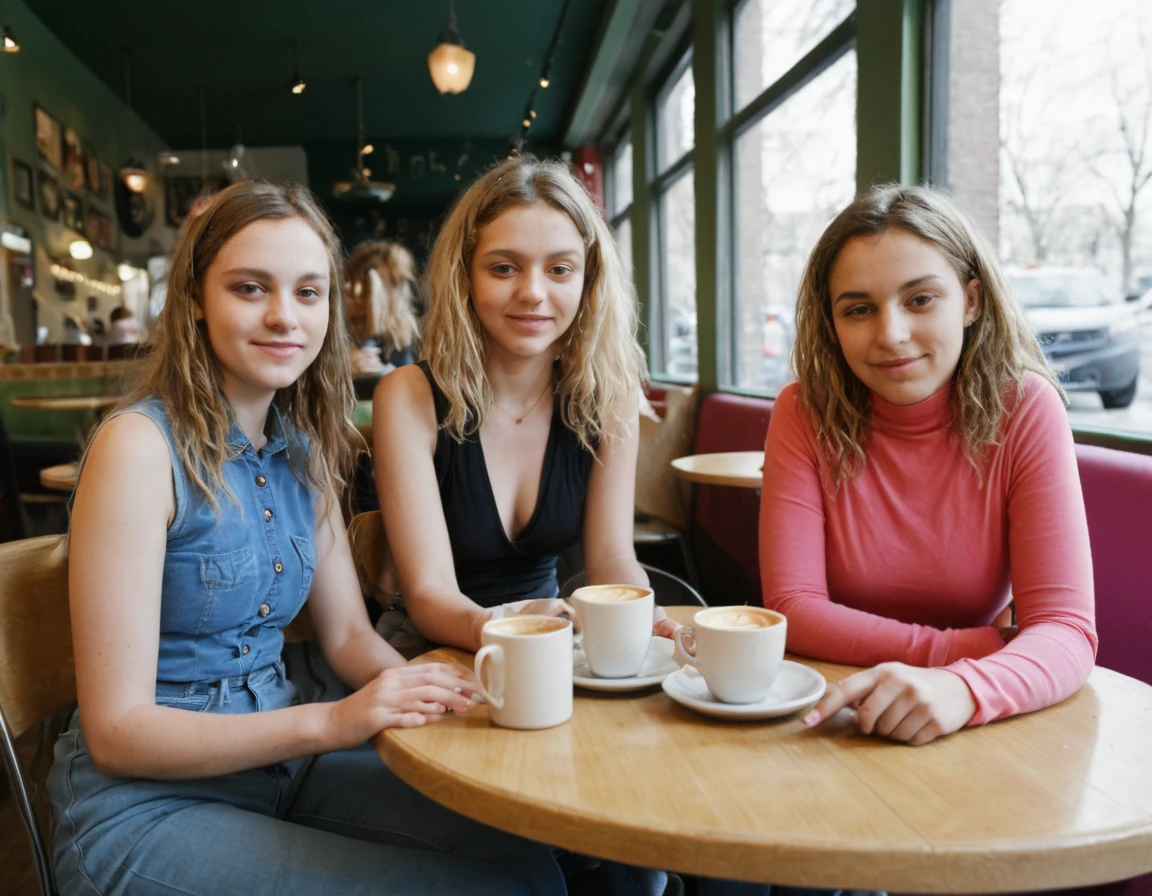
{"x": 22, "y": 188}
{"x": 100, "y": 232}
{"x": 73, "y": 213}
{"x": 92, "y": 171}
{"x": 50, "y": 198}
{"x": 75, "y": 161}
{"x": 105, "y": 191}
{"x": 48, "y": 140}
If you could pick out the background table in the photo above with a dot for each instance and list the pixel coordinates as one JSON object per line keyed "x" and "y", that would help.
{"x": 737, "y": 468}
{"x": 66, "y": 402}
{"x": 61, "y": 477}
{"x": 1058, "y": 798}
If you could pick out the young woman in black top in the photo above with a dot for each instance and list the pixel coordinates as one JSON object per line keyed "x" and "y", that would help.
{"x": 517, "y": 436}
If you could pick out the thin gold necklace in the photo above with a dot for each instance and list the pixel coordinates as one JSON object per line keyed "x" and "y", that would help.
{"x": 523, "y": 416}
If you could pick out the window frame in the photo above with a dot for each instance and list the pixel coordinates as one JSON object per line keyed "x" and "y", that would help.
{"x": 831, "y": 48}
{"x": 660, "y": 183}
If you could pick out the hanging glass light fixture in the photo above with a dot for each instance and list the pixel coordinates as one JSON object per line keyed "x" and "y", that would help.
{"x": 450, "y": 64}
{"x": 133, "y": 173}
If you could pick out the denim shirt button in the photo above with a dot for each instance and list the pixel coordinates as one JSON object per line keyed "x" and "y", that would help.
{"x": 278, "y": 566}
{"x": 261, "y": 481}
{"x": 267, "y": 515}
{"x": 265, "y": 609}
{"x": 244, "y": 650}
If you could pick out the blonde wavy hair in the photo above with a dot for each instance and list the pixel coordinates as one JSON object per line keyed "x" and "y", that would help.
{"x": 999, "y": 347}
{"x": 182, "y": 369}
{"x": 382, "y": 274}
{"x": 601, "y": 364}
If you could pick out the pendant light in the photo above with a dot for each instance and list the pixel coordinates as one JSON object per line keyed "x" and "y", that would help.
{"x": 450, "y": 64}
{"x": 133, "y": 173}
{"x": 10, "y": 43}
{"x": 298, "y": 83}
{"x": 362, "y": 188}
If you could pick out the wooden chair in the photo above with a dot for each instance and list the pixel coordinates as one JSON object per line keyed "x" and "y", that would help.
{"x": 372, "y": 557}
{"x": 37, "y": 674}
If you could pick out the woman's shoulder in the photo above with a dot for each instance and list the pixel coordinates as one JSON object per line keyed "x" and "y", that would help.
{"x": 406, "y": 393}
{"x": 1037, "y": 398}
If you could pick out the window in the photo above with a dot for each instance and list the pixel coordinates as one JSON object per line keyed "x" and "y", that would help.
{"x": 793, "y": 147}
{"x": 620, "y": 200}
{"x": 673, "y": 313}
{"x": 1075, "y": 196}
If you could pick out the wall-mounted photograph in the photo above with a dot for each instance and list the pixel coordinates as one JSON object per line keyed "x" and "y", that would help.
{"x": 75, "y": 161}
{"x": 73, "y": 213}
{"x": 100, "y": 231}
{"x": 22, "y": 188}
{"x": 50, "y": 199}
{"x": 181, "y": 193}
{"x": 48, "y": 141}
{"x": 92, "y": 172}
{"x": 105, "y": 191}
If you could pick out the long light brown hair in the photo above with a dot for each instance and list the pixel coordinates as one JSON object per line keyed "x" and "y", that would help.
{"x": 601, "y": 365}
{"x": 382, "y": 274}
{"x": 999, "y": 347}
{"x": 182, "y": 369}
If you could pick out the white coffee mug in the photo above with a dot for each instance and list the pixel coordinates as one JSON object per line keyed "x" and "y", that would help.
{"x": 738, "y": 650}
{"x": 616, "y": 621}
{"x": 530, "y": 663}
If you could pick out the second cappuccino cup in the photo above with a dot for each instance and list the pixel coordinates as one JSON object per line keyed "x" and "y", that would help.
{"x": 617, "y": 625}
{"x": 738, "y": 650}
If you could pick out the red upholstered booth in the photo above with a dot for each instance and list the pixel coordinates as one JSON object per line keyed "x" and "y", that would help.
{"x": 726, "y": 519}
{"x": 1118, "y": 498}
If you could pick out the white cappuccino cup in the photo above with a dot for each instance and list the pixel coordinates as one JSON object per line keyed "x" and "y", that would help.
{"x": 528, "y": 661}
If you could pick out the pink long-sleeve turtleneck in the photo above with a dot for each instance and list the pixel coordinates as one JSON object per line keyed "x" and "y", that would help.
{"x": 915, "y": 558}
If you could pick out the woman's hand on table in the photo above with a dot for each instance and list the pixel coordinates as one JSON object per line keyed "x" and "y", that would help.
{"x": 905, "y": 703}
{"x": 401, "y": 697}
{"x": 662, "y": 625}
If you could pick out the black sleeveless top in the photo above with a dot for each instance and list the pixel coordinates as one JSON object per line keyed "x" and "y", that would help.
{"x": 491, "y": 569}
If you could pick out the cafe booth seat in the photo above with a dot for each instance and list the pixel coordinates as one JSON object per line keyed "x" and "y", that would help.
{"x": 1118, "y": 499}
{"x": 725, "y": 519}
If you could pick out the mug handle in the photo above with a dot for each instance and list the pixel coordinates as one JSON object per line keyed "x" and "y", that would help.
{"x": 680, "y": 632}
{"x": 497, "y": 654}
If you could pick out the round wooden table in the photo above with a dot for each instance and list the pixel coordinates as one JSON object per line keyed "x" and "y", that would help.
{"x": 1054, "y": 799}
{"x": 742, "y": 469}
{"x": 61, "y": 477}
{"x": 66, "y": 402}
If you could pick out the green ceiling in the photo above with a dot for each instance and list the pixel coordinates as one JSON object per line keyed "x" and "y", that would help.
{"x": 242, "y": 53}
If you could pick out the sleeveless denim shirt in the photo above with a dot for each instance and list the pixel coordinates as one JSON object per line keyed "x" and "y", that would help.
{"x": 234, "y": 577}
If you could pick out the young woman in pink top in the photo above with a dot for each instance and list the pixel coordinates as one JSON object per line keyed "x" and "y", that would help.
{"x": 919, "y": 477}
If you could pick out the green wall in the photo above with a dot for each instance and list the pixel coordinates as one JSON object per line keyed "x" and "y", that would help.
{"x": 45, "y": 72}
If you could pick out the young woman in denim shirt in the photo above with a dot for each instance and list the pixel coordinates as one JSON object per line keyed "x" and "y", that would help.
{"x": 205, "y": 515}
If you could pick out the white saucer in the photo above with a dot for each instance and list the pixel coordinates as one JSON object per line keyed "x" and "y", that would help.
{"x": 796, "y": 687}
{"x": 658, "y": 665}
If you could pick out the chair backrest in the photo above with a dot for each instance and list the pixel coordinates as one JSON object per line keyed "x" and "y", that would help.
{"x": 372, "y": 557}
{"x": 670, "y": 590}
{"x": 37, "y": 669}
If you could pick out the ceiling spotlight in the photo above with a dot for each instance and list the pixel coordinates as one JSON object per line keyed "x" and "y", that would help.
{"x": 298, "y": 86}
{"x": 544, "y": 82}
{"x": 168, "y": 158}
{"x": 450, "y": 64}
{"x": 527, "y": 123}
{"x": 10, "y": 44}
{"x": 532, "y": 113}
{"x": 368, "y": 148}
{"x": 80, "y": 249}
